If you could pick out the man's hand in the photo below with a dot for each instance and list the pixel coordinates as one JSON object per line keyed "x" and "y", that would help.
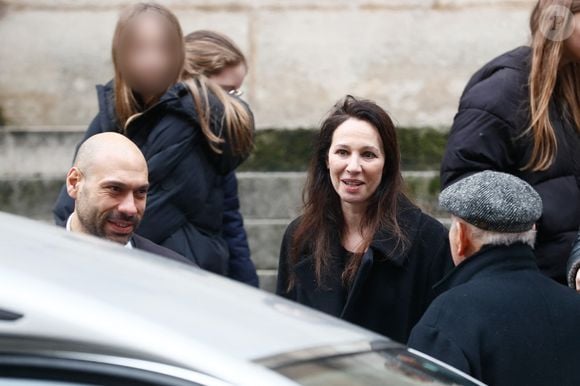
{"x": 578, "y": 280}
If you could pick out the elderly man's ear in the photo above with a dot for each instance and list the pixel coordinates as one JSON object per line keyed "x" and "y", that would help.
{"x": 73, "y": 181}
{"x": 460, "y": 242}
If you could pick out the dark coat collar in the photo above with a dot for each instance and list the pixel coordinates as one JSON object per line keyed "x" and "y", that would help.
{"x": 384, "y": 244}
{"x": 489, "y": 260}
{"x": 384, "y": 247}
{"x": 178, "y": 102}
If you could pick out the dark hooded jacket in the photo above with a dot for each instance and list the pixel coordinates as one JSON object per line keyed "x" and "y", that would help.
{"x": 185, "y": 204}
{"x": 487, "y": 135}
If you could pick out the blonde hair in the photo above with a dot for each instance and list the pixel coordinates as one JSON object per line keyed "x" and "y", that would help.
{"x": 210, "y": 52}
{"x": 207, "y": 53}
{"x": 547, "y": 79}
{"x": 126, "y": 105}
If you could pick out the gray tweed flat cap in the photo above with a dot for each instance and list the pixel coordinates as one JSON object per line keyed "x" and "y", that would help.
{"x": 493, "y": 201}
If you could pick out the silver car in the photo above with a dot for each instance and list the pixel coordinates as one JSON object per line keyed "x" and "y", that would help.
{"x": 75, "y": 310}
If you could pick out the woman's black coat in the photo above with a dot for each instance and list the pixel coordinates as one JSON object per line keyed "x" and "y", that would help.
{"x": 185, "y": 203}
{"x": 486, "y": 135}
{"x": 391, "y": 290}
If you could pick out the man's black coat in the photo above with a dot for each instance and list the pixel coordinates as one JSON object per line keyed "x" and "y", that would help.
{"x": 503, "y": 322}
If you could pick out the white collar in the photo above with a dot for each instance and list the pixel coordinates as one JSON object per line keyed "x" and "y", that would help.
{"x": 68, "y": 228}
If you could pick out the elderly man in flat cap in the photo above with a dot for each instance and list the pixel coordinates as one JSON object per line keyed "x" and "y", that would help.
{"x": 499, "y": 319}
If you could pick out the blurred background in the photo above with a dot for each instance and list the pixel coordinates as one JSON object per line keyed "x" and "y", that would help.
{"x": 413, "y": 57}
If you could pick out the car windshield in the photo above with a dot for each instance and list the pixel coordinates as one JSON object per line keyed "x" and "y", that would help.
{"x": 396, "y": 367}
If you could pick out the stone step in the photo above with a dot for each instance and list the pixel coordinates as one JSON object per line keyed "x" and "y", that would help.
{"x": 263, "y": 195}
{"x": 268, "y": 279}
{"x": 33, "y": 162}
{"x": 276, "y": 195}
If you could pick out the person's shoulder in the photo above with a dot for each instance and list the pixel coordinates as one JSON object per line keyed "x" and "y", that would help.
{"x": 457, "y": 303}
{"x": 507, "y": 70}
{"x": 500, "y": 86}
{"x": 564, "y": 295}
{"x": 169, "y": 122}
{"x": 147, "y": 245}
{"x": 433, "y": 225}
{"x": 291, "y": 228}
{"x": 414, "y": 220}
{"x": 106, "y": 117}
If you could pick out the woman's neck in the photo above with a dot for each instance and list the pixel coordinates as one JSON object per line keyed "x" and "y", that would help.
{"x": 354, "y": 235}
{"x": 146, "y": 100}
{"x": 353, "y": 215}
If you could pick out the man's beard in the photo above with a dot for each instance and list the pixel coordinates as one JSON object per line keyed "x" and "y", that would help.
{"x": 96, "y": 225}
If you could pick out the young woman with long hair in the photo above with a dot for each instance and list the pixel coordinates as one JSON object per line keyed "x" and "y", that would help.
{"x": 213, "y": 55}
{"x": 191, "y": 132}
{"x": 361, "y": 250}
{"x": 520, "y": 114}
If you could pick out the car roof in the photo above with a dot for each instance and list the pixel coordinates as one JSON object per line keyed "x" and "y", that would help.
{"x": 78, "y": 288}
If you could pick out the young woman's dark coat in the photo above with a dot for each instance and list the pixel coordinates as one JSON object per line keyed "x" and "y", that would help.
{"x": 185, "y": 204}
{"x": 487, "y": 135}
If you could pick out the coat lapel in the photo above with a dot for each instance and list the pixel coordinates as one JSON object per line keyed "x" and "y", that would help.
{"x": 360, "y": 278}
{"x": 385, "y": 248}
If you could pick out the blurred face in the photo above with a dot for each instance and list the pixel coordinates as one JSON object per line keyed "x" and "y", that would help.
{"x": 572, "y": 44}
{"x": 356, "y": 161}
{"x": 230, "y": 78}
{"x": 151, "y": 54}
{"x": 110, "y": 198}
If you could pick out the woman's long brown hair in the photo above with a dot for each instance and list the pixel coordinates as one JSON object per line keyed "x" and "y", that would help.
{"x": 126, "y": 104}
{"x": 549, "y": 80}
{"x": 207, "y": 54}
{"x": 322, "y": 221}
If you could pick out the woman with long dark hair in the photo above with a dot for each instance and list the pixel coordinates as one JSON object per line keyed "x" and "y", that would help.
{"x": 361, "y": 250}
{"x": 520, "y": 114}
{"x": 191, "y": 132}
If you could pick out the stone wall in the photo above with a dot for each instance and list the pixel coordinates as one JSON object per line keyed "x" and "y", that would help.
{"x": 412, "y": 56}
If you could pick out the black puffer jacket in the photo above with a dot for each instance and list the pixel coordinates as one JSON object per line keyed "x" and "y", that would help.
{"x": 486, "y": 135}
{"x": 185, "y": 203}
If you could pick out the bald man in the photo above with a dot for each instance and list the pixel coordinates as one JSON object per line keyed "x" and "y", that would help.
{"x": 109, "y": 182}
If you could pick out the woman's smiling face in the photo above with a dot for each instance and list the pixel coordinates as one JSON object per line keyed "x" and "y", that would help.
{"x": 355, "y": 161}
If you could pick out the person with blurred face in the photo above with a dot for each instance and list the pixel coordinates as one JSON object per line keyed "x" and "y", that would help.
{"x": 218, "y": 58}
{"x": 498, "y": 318}
{"x": 361, "y": 250}
{"x": 108, "y": 183}
{"x": 520, "y": 114}
{"x": 191, "y": 132}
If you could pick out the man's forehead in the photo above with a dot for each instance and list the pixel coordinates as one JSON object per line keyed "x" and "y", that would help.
{"x": 133, "y": 178}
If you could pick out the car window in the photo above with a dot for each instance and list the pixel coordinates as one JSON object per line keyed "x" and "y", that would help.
{"x": 396, "y": 367}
